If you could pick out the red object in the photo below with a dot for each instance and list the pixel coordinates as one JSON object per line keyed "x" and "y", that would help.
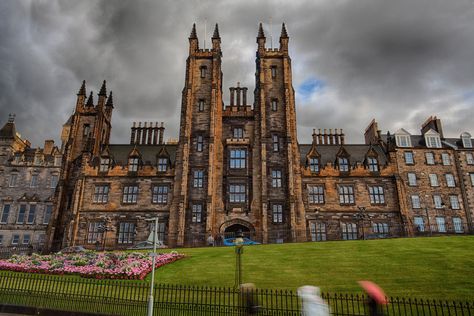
{"x": 374, "y": 291}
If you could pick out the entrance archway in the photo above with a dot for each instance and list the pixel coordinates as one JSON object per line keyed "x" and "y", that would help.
{"x": 230, "y": 228}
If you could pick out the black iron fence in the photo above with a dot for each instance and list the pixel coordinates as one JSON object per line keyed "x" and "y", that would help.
{"x": 114, "y": 297}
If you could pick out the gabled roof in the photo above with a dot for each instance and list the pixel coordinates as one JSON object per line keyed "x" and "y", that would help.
{"x": 357, "y": 152}
{"x": 402, "y": 131}
{"x": 120, "y": 153}
{"x": 432, "y": 132}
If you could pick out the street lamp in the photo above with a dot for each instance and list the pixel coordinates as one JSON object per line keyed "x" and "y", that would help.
{"x": 359, "y": 216}
{"x": 153, "y": 260}
{"x": 239, "y": 250}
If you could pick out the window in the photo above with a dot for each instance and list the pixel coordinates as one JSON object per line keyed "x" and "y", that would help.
{"x": 376, "y": 195}
{"x": 318, "y": 231}
{"x": 409, "y": 158}
{"x": 37, "y": 160}
{"x": 1, "y": 240}
{"x": 349, "y": 231}
{"x": 454, "y": 201}
{"x": 237, "y": 193}
{"x": 95, "y": 231}
{"x": 457, "y": 223}
{"x": 441, "y": 224}
{"x": 274, "y": 71}
{"x": 21, "y": 214}
{"x": 160, "y": 235}
{"x": 197, "y": 213}
{"x": 199, "y": 143}
{"x": 466, "y": 141}
{"x": 238, "y": 158}
{"x": 104, "y": 164}
{"x": 162, "y": 164}
{"x": 446, "y": 159}
{"x": 411, "y": 179}
{"x": 429, "y": 158}
{"x": 373, "y": 164}
{"x": 315, "y": 194}
{"x": 101, "y": 194}
{"x": 12, "y": 180}
{"x": 469, "y": 159}
{"x": 126, "y": 233}
{"x": 380, "y": 229}
{"x": 472, "y": 178}
{"x": 433, "y": 180}
{"x": 54, "y": 181}
{"x": 201, "y": 105}
{"x": 403, "y": 141}
{"x": 438, "y": 203}
{"x": 160, "y": 194}
{"x": 130, "y": 194}
{"x": 5, "y": 213}
{"x": 86, "y": 130}
{"x": 15, "y": 239}
{"x": 419, "y": 224}
{"x": 277, "y": 213}
{"x": 415, "y": 201}
{"x": 26, "y": 239}
{"x": 133, "y": 164}
{"x": 450, "y": 180}
{"x": 34, "y": 181}
{"x": 238, "y": 132}
{"x": 276, "y": 145}
{"x": 203, "y": 71}
{"x": 433, "y": 141}
{"x": 47, "y": 214}
{"x": 276, "y": 178}
{"x": 314, "y": 164}
{"x": 346, "y": 194}
{"x": 274, "y": 104}
{"x": 198, "y": 179}
{"x": 31, "y": 214}
{"x": 343, "y": 164}
{"x": 57, "y": 161}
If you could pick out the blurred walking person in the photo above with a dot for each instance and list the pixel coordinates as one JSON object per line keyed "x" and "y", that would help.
{"x": 312, "y": 303}
{"x": 376, "y": 298}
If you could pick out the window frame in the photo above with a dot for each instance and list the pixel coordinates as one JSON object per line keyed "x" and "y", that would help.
{"x": 440, "y": 224}
{"x": 454, "y": 202}
{"x": 238, "y": 132}
{"x": 237, "y": 193}
{"x": 412, "y": 179}
{"x": 196, "y": 213}
{"x": 20, "y": 219}
{"x": 31, "y": 218}
{"x": 277, "y": 213}
{"x": 437, "y": 201}
{"x": 349, "y": 230}
{"x": 415, "y": 201}
{"x": 203, "y": 71}
{"x": 469, "y": 158}
{"x": 5, "y": 214}
{"x": 13, "y": 180}
{"x": 316, "y": 194}
{"x": 377, "y": 195}
{"x": 314, "y": 167}
{"x": 34, "y": 180}
{"x": 104, "y": 164}
{"x": 373, "y": 164}
{"x": 343, "y": 164}
{"x": 277, "y": 178}
{"x": 199, "y": 143}
{"x": 419, "y": 222}
{"x": 433, "y": 141}
{"x": 162, "y": 164}
{"x": 201, "y": 105}
{"x": 318, "y": 231}
{"x": 450, "y": 180}
{"x": 409, "y": 157}
{"x": 101, "y": 193}
{"x": 434, "y": 181}
{"x": 160, "y": 193}
{"x": 133, "y": 163}
{"x": 274, "y": 105}
{"x": 237, "y": 158}
{"x": 457, "y": 225}
{"x": 446, "y": 159}
{"x": 346, "y": 194}
{"x": 275, "y": 143}
{"x": 53, "y": 181}
{"x": 126, "y": 236}
{"x": 130, "y": 193}
{"x": 429, "y": 158}
{"x": 48, "y": 213}
{"x": 94, "y": 232}
{"x": 273, "y": 71}
{"x": 198, "y": 178}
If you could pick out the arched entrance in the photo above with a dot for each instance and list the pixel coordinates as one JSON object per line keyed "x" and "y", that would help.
{"x": 230, "y": 229}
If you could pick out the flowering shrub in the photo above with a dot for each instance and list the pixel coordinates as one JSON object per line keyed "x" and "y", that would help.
{"x": 90, "y": 264}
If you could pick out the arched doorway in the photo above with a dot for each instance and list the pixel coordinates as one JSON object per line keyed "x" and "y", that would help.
{"x": 232, "y": 231}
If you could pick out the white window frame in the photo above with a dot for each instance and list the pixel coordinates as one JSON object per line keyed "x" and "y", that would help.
{"x": 469, "y": 159}
{"x": 441, "y": 224}
{"x": 433, "y": 141}
{"x": 162, "y": 164}
{"x": 277, "y": 213}
{"x": 409, "y": 157}
{"x": 450, "y": 181}
{"x": 346, "y": 194}
{"x": 315, "y": 194}
{"x": 457, "y": 224}
{"x": 420, "y": 223}
{"x": 433, "y": 180}
{"x": 415, "y": 201}
{"x": 412, "y": 181}
{"x": 446, "y": 158}
{"x": 454, "y": 202}
{"x": 133, "y": 163}
{"x": 196, "y": 213}
{"x": 403, "y": 141}
{"x": 437, "y": 201}
{"x": 104, "y": 164}
{"x": 430, "y": 160}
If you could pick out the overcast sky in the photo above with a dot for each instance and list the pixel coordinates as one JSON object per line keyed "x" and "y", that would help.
{"x": 396, "y": 61}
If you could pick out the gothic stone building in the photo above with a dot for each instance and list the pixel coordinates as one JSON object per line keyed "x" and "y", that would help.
{"x": 238, "y": 166}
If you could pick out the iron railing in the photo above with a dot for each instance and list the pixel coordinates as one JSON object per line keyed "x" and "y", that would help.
{"x": 115, "y": 297}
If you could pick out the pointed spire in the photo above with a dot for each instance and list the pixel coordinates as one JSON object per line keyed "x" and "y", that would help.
{"x": 90, "y": 100}
{"x": 261, "y": 34}
{"x": 284, "y": 34}
{"x": 103, "y": 89}
{"x": 82, "y": 90}
{"x": 110, "y": 100}
{"x": 216, "y": 33}
{"x": 193, "y": 32}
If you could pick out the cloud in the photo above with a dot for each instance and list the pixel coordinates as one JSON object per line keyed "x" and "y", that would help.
{"x": 396, "y": 61}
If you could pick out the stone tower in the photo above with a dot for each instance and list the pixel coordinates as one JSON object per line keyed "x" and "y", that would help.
{"x": 276, "y": 143}
{"x": 84, "y": 135}
{"x": 198, "y": 177}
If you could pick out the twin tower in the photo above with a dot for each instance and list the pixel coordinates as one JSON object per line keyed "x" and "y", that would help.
{"x": 238, "y": 164}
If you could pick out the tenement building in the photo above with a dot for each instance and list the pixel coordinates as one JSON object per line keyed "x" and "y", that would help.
{"x": 237, "y": 166}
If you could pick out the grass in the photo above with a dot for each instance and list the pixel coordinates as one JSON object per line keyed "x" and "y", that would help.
{"x": 438, "y": 267}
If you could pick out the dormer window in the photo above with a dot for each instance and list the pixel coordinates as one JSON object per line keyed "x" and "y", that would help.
{"x": 86, "y": 130}
{"x": 432, "y": 139}
{"x": 203, "y": 70}
{"x": 343, "y": 164}
{"x": 37, "y": 160}
{"x": 402, "y": 138}
{"x": 162, "y": 164}
{"x": 104, "y": 164}
{"x": 133, "y": 164}
{"x": 373, "y": 164}
{"x": 314, "y": 164}
{"x": 57, "y": 161}
{"x": 466, "y": 140}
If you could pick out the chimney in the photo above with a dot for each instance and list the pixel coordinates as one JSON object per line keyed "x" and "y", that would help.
{"x": 133, "y": 133}
{"x": 155, "y": 134}
{"x": 331, "y": 137}
{"x": 238, "y": 93}
{"x": 320, "y": 137}
{"x": 432, "y": 123}
{"x": 48, "y": 146}
{"x": 244, "y": 96}
{"x": 150, "y": 134}
{"x": 232, "y": 96}
{"x": 336, "y": 136}
{"x": 162, "y": 132}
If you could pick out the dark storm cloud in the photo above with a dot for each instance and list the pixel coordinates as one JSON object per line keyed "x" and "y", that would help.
{"x": 398, "y": 61}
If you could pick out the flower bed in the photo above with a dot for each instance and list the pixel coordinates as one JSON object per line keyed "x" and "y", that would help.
{"x": 90, "y": 264}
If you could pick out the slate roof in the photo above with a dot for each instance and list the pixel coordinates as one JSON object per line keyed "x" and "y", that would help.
{"x": 328, "y": 153}
{"x": 148, "y": 153}
{"x": 418, "y": 141}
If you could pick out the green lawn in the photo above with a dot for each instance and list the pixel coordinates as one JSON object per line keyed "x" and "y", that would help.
{"x": 437, "y": 267}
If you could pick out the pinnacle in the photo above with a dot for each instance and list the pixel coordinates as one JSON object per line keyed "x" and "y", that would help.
{"x": 193, "y": 32}
{"x": 284, "y": 34}
{"x": 216, "y": 33}
{"x": 110, "y": 100}
{"x": 261, "y": 34}
{"x": 90, "y": 100}
{"x": 82, "y": 90}
{"x": 103, "y": 89}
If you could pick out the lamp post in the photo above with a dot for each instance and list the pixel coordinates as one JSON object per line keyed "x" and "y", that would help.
{"x": 239, "y": 250}
{"x": 153, "y": 260}
{"x": 359, "y": 216}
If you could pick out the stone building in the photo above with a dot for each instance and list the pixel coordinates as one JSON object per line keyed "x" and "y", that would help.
{"x": 28, "y": 179}
{"x": 238, "y": 166}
